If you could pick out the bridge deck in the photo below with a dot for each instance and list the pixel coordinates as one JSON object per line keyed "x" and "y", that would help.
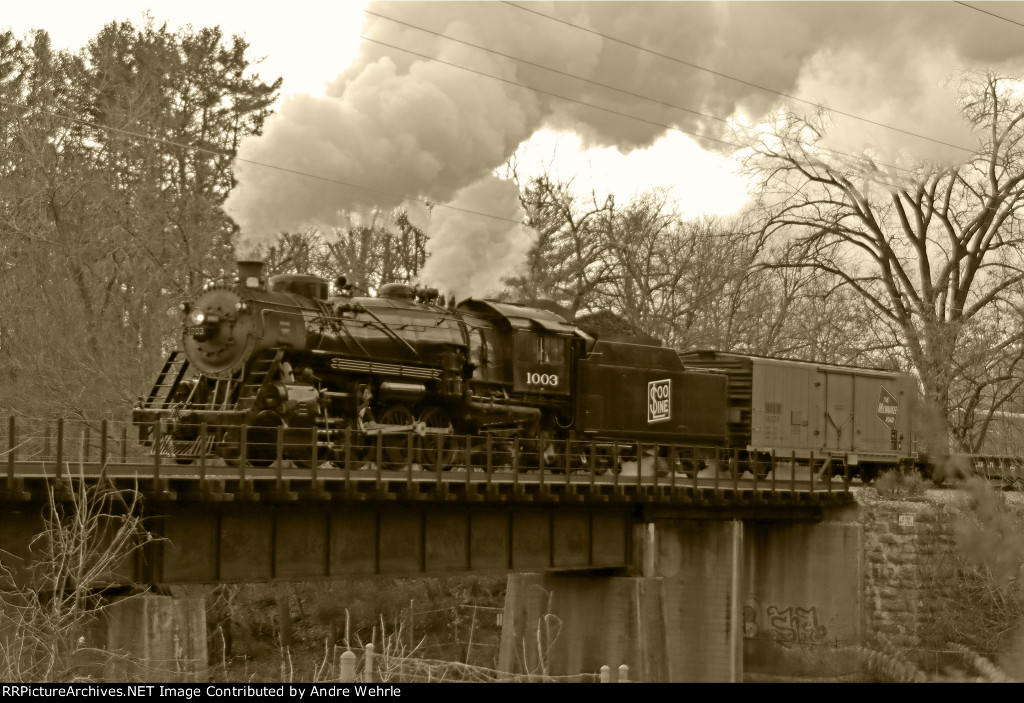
{"x": 234, "y": 522}
{"x": 40, "y": 451}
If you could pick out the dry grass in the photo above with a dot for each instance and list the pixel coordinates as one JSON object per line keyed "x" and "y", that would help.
{"x": 50, "y": 609}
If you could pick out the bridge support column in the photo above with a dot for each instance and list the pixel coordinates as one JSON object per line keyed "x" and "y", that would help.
{"x": 701, "y": 564}
{"x": 159, "y": 638}
{"x": 802, "y": 596}
{"x": 679, "y": 622}
{"x": 563, "y": 624}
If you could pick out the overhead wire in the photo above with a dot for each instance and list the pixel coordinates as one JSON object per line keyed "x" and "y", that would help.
{"x": 608, "y": 87}
{"x": 548, "y": 92}
{"x": 599, "y": 107}
{"x": 734, "y": 78}
{"x": 541, "y": 66}
{"x": 284, "y": 169}
{"x": 431, "y": 203}
{"x": 992, "y": 14}
{"x": 425, "y": 201}
{"x": 864, "y": 176}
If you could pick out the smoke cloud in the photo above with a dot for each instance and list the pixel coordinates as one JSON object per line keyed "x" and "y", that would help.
{"x": 469, "y": 254}
{"x": 397, "y": 124}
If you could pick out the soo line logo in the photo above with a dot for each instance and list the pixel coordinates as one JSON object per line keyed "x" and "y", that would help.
{"x": 659, "y": 400}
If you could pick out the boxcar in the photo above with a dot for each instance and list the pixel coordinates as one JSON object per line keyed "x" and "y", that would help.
{"x": 863, "y": 418}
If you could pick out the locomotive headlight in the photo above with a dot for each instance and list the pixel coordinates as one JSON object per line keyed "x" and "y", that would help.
{"x": 196, "y": 317}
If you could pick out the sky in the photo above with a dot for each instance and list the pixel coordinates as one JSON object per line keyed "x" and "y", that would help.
{"x": 377, "y": 112}
{"x": 311, "y": 43}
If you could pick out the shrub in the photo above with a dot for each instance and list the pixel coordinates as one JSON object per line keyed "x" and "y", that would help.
{"x": 49, "y": 612}
{"x": 901, "y": 484}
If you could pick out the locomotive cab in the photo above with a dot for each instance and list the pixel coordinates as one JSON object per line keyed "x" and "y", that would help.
{"x": 541, "y": 362}
{"x": 525, "y": 351}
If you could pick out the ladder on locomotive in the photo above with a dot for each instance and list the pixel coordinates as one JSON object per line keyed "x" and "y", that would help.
{"x": 260, "y": 375}
{"x": 170, "y": 376}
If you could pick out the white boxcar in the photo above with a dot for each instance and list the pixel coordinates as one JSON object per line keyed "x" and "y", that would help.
{"x": 863, "y": 416}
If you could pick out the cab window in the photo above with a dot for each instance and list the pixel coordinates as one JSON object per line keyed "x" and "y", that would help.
{"x": 550, "y": 350}
{"x": 476, "y": 348}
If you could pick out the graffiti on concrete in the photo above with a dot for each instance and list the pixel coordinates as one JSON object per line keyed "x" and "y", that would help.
{"x": 793, "y": 624}
{"x": 750, "y": 628}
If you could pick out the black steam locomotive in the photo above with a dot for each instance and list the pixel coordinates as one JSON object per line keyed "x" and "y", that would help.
{"x": 284, "y": 368}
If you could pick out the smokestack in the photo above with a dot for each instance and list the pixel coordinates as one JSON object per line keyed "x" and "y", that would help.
{"x": 250, "y": 275}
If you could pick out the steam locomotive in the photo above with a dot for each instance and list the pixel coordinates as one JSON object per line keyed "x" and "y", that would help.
{"x": 284, "y": 368}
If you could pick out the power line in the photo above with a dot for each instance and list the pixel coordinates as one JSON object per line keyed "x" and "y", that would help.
{"x": 425, "y": 201}
{"x": 549, "y": 93}
{"x": 978, "y": 9}
{"x": 283, "y": 169}
{"x": 733, "y": 78}
{"x": 546, "y": 68}
{"x": 605, "y": 109}
{"x": 601, "y": 85}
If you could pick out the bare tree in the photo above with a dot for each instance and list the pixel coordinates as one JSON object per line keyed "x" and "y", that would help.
{"x": 386, "y": 248}
{"x": 566, "y": 264}
{"x": 113, "y": 163}
{"x": 934, "y": 249}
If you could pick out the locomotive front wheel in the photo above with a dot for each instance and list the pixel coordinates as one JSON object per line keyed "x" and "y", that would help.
{"x": 435, "y": 444}
{"x": 396, "y": 446}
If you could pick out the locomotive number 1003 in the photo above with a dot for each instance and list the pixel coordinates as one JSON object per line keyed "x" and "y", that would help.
{"x": 541, "y": 379}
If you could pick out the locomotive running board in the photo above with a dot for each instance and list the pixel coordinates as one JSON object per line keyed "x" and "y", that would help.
{"x": 374, "y": 429}
{"x": 374, "y": 367}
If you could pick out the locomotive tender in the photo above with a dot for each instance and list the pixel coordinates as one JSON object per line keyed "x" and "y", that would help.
{"x": 282, "y": 367}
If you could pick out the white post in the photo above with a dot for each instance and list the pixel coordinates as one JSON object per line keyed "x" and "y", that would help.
{"x": 368, "y": 674}
{"x": 606, "y": 674}
{"x": 623, "y": 673}
{"x": 347, "y": 668}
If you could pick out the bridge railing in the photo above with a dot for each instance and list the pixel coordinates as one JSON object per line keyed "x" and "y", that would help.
{"x": 65, "y": 441}
{"x": 1007, "y": 471}
{"x": 55, "y": 446}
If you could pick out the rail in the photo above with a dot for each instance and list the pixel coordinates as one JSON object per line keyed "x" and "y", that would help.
{"x": 409, "y": 462}
{"x": 53, "y": 447}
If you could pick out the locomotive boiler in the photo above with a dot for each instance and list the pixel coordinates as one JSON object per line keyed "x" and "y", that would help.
{"x": 284, "y": 367}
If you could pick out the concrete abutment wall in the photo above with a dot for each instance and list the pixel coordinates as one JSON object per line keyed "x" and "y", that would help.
{"x": 680, "y": 621}
{"x": 157, "y": 638}
{"x": 718, "y": 599}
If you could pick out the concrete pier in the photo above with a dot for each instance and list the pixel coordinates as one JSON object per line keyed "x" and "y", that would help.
{"x": 157, "y": 638}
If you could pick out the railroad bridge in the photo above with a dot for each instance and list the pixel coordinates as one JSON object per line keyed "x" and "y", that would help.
{"x": 670, "y": 556}
{"x": 248, "y": 523}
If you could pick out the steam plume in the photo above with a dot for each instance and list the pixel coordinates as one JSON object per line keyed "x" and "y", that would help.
{"x": 470, "y": 254}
